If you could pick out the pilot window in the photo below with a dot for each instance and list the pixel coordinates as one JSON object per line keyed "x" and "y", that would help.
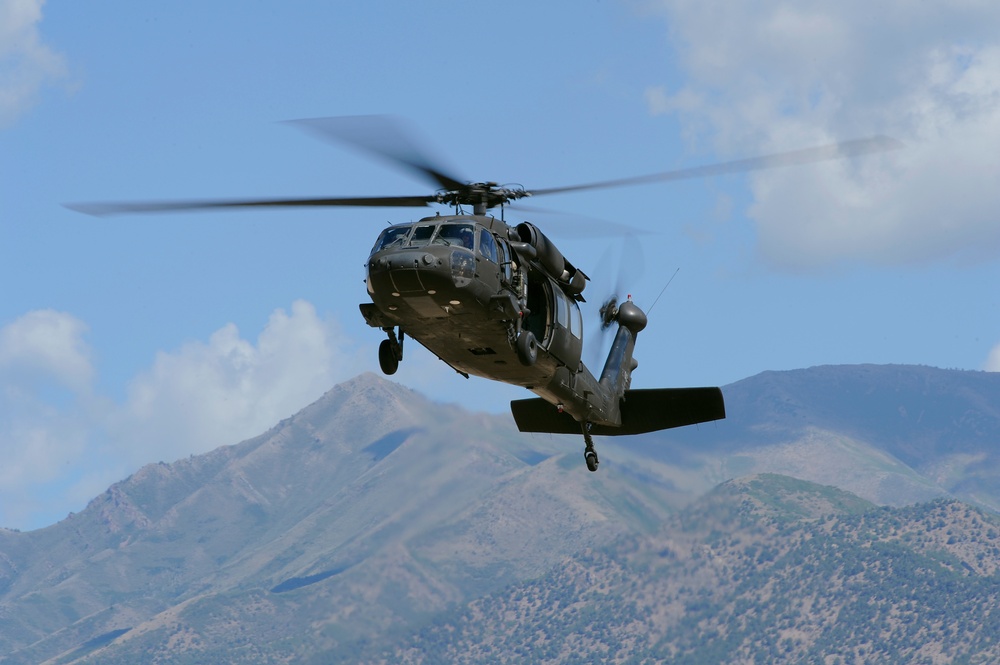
{"x": 391, "y": 236}
{"x": 487, "y": 245}
{"x": 421, "y": 235}
{"x": 458, "y": 234}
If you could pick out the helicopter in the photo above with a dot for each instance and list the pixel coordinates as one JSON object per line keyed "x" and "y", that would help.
{"x": 498, "y": 300}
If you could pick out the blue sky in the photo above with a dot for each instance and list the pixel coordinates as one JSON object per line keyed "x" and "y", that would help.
{"x": 130, "y": 340}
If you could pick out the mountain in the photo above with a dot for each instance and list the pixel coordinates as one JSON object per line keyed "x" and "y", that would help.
{"x": 767, "y": 569}
{"x": 375, "y": 514}
{"x": 894, "y": 434}
{"x": 369, "y": 509}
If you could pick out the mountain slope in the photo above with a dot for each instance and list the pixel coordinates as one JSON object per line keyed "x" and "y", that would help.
{"x": 763, "y": 569}
{"x": 373, "y": 501}
{"x": 372, "y": 511}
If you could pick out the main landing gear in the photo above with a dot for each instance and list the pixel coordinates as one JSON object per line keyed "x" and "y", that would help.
{"x": 590, "y": 453}
{"x": 390, "y": 352}
{"x": 527, "y": 348}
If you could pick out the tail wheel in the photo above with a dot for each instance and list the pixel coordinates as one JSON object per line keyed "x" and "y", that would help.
{"x": 387, "y": 359}
{"x": 527, "y": 348}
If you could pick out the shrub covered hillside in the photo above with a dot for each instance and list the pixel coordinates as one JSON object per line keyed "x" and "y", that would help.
{"x": 762, "y": 570}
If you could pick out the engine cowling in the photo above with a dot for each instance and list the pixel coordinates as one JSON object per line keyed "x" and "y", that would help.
{"x": 551, "y": 259}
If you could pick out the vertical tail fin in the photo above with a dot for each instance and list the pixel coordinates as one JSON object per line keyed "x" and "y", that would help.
{"x": 616, "y": 377}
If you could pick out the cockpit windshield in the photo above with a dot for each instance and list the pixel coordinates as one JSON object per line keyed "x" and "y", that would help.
{"x": 421, "y": 235}
{"x": 463, "y": 235}
{"x": 457, "y": 234}
{"x": 394, "y": 235}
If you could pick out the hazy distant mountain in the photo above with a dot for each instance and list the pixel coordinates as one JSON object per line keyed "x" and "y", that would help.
{"x": 764, "y": 570}
{"x": 893, "y": 434}
{"x": 370, "y": 513}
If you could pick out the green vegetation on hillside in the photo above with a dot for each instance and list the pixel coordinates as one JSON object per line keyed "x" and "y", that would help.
{"x": 752, "y": 574}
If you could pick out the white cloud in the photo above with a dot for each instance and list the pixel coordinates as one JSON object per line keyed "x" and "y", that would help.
{"x": 47, "y": 345}
{"x": 773, "y": 76}
{"x": 61, "y": 444}
{"x": 210, "y": 394}
{"x": 993, "y": 360}
{"x": 26, "y": 64}
{"x": 45, "y": 372}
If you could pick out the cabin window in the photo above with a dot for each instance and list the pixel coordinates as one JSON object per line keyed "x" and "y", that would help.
{"x": 394, "y": 235}
{"x": 487, "y": 245}
{"x": 562, "y": 310}
{"x": 568, "y": 315}
{"x": 503, "y": 253}
{"x": 457, "y": 234}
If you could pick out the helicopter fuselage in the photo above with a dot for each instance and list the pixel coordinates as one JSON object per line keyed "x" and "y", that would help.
{"x": 502, "y": 303}
{"x": 468, "y": 286}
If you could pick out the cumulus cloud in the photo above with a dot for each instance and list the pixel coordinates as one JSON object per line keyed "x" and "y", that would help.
{"x": 62, "y": 444}
{"x": 208, "y": 394}
{"x": 45, "y": 372}
{"x": 774, "y": 75}
{"x": 26, "y": 63}
{"x": 46, "y": 345}
{"x": 993, "y": 360}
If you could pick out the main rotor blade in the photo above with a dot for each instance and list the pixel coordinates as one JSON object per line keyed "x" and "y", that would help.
{"x": 575, "y": 226}
{"x": 107, "y": 209}
{"x": 383, "y": 136}
{"x": 841, "y": 150}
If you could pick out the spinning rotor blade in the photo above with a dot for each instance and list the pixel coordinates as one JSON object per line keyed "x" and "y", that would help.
{"x": 608, "y": 312}
{"x": 630, "y": 261}
{"x": 107, "y": 209}
{"x": 824, "y": 153}
{"x": 575, "y": 225}
{"x": 383, "y": 136}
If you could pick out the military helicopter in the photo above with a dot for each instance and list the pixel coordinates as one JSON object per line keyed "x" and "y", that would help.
{"x": 499, "y": 300}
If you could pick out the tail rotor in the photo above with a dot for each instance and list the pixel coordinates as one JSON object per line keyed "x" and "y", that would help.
{"x": 609, "y": 312}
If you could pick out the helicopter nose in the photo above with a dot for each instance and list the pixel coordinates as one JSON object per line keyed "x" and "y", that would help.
{"x": 410, "y": 272}
{"x": 406, "y": 261}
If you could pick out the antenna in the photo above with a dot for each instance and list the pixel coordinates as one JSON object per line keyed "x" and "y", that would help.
{"x": 650, "y": 310}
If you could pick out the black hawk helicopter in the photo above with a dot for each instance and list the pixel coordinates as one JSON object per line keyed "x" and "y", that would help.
{"x": 499, "y": 300}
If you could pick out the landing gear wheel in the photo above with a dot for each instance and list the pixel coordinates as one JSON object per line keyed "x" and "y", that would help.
{"x": 592, "y": 460}
{"x": 387, "y": 358}
{"x": 527, "y": 348}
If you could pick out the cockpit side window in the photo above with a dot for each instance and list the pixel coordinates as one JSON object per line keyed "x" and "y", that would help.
{"x": 458, "y": 234}
{"x": 487, "y": 245}
{"x": 394, "y": 235}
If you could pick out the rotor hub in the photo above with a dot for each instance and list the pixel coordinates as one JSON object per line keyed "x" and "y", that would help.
{"x": 482, "y": 195}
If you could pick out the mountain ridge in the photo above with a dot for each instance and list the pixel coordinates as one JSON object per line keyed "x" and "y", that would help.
{"x": 891, "y": 433}
{"x": 374, "y": 510}
{"x": 371, "y": 478}
{"x": 761, "y": 569}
